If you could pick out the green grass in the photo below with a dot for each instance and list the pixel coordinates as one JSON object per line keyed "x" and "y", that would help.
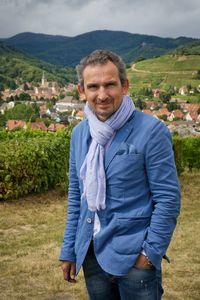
{"x": 164, "y": 71}
{"x": 161, "y": 64}
{"x": 30, "y": 239}
{"x": 169, "y": 63}
{"x": 31, "y": 231}
{"x": 181, "y": 277}
{"x": 191, "y": 99}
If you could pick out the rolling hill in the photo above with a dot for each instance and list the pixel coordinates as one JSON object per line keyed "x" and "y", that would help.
{"x": 67, "y": 51}
{"x": 165, "y": 71}
{"x": 192, "y": 48}
{"x": 175, "y": 69}
{"x": 16, "y": 67}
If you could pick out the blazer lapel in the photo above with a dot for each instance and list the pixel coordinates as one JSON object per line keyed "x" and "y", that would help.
{"x": 85, "y": 143}
{"x": 120, "y": 137}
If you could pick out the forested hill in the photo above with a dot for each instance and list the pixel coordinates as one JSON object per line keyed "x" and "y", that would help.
{"x": 16, "y": 67}
{"x": 189, "y": 49}
{"x": 67, "y": 51}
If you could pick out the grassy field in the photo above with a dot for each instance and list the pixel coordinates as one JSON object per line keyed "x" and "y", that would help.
{"x": 165, "y": 71}
{"x": 169, "y": 63}
{"x": 31, "y": 231}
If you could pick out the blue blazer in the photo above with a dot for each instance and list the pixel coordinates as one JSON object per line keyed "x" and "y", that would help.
{"x": 142, "y": 197}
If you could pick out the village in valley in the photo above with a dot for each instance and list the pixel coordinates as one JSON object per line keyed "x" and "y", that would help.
{"x": 61, "y": 106}
{"x": 180, "y": 116}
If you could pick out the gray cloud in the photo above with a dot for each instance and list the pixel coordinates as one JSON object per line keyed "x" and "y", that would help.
{"x": 72, "y": 17}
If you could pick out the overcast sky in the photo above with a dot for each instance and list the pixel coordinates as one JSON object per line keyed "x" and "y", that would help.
{"x": 165, "y": 18}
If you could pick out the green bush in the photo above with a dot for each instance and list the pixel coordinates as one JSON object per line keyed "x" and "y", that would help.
{"x": 191, "y": 153}
{"x": 178, "y": 153}
{"x": 187, "y": 153}
{"x": 35, "y": 161}
{"x": 33, "y": 164}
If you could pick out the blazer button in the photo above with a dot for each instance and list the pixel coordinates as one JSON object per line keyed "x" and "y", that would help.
{"x": 89, "y": 220}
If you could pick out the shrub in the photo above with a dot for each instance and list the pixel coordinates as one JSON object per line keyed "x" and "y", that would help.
{"x": 178, "y": 152}
{"x": 33, "y": 164}
{"x": 35, "y": 161}
{"x": 191, "y": 153}
{"x": 187, "y": 153}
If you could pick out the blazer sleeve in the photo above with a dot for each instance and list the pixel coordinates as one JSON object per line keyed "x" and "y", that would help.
{"x": 73, "y": 211}
{"x": 165, "y": 193}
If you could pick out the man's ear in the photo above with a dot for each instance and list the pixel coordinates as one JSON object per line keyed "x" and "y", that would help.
{"x": 81, "y": 91}
{"x": 125, "y": 87}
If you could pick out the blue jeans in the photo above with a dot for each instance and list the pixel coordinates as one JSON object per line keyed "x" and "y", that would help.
{"x": 138, "y": 284}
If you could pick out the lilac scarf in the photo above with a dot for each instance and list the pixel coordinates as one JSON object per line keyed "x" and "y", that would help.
{"x": 92, "y": 171}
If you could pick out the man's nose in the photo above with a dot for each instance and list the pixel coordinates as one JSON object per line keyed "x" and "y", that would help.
{"x": 102, "y": 95}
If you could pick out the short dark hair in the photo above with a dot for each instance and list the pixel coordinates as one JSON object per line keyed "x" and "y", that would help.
{"x": 101, "y": 57}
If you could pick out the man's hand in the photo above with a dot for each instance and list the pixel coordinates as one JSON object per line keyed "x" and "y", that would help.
{"x": 69, "y": 271}
{"x": 142, "y": 262}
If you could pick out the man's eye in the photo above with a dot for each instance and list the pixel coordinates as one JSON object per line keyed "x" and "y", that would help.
{"x": 92, "y": 87}
{"x": 110, "y": 84}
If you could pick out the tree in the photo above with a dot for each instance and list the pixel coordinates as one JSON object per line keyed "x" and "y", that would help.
{"x": 165, "y": 97}
{"x": 189, "y": 87}
{"x": 12, "y": 85}
{"x": 36, "y": 108}
{"x": 1, "y": 86}
{"x": 172, "y": 106}
{"x": 12, "y": 98}
{"x": 20, "y": 112}
{"x": 53, "y": 99}
{"x": 16, "y": 98}
{"x": 50, "y": 104}
{"x": 197, "y": 75}
{"x": 26, "y": 88}
{"x": 163, "y": 117}
{"x": 24, "y": 97}
{"x": 2, "y": 120}
{"x": 74, "y": 93}
{"x": 145, "y": 92}
{"x": 62, "y": 95}
{"x": 140, "y": 104}
{"x": 47, "y": 121}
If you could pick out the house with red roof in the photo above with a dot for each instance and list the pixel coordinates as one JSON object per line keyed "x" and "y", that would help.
{"x": 80, "y": 115}
{"x": 38, "y": 125}
{"x": 13, "y": 124}
{"x": 161, "y": 112}
{"x": 55, "y": 127}
{"x": 175, "y": 114}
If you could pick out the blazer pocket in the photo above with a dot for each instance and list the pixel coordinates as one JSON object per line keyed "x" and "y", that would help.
{"x": 130, "y": 235}
{"x": 123, "y": 166}
{"x": 128, "y": 160}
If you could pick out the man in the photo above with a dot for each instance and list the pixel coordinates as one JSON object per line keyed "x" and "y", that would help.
{"x": 124, "y": 195}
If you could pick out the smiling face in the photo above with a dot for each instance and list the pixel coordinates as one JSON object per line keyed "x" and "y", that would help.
{"x": 103, "y": 89}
